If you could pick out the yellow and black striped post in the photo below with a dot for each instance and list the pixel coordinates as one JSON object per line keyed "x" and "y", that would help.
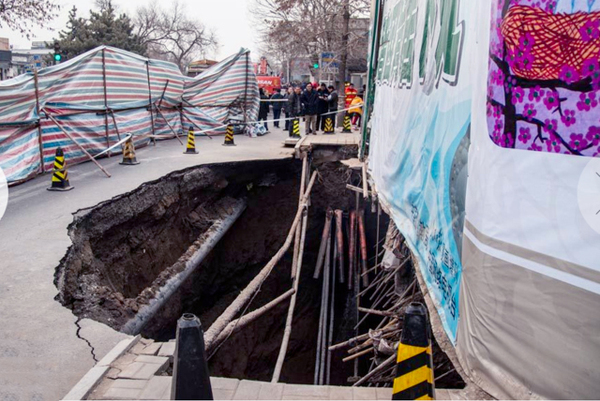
{"x": 347, "y": 124}
{"x": 190, "y": 149}
{"x": 329, "y": 124}
{"x": 129, "y": 158}
{"x": 414, "y": 372}
{"x": 60, "y": 179}
{"x": 295, "y": 129}
{"x": 229, "y": 136}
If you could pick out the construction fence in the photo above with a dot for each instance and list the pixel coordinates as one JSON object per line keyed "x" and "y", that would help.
{"x": 93, "y": 100}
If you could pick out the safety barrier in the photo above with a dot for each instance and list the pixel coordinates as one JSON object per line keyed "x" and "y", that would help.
{"x": 60, "y": 180}
{"x": 414, "y": 371}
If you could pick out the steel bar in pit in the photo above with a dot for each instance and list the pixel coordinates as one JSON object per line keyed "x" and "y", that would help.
{"x": 376, "y": 312}
{"x": 323, "y": 328}
{"x": 390, "y": 327}
{"x": 324, "y": 243}
{"x": 384, "y": 365}
{"x": 321, "y": 318}
{"x": 331, "y": 316}
{"x": 340, "y": 244}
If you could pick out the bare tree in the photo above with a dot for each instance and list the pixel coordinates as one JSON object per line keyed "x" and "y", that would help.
{"x": 20, "y": 15}
{"x": 171, "y": 34}
{"x": 295, "y": 28}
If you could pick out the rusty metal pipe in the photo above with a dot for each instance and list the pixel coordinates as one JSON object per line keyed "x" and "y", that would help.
{"x": 363, "y": 246}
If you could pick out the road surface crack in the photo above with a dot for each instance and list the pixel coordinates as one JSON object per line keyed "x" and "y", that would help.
{"x": 92, "y": 349}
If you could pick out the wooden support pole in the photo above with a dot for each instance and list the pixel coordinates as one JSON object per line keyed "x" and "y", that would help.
{"x": 194, "y": 124}
{"x": 384, "y": 365}
{"x": 150, "y": 109}
{"x": 105, "y": 100}
{"x": 37, "y": 111}
{"x": 168, "y": 125}
{"x": 238, "y": 324}
{"x": 288, "y": 323}
{"x": 357, "y": 189}
{"x": 358, "y": 354}
{"x": 227, "y": 316}
{"x": 112, "y": 114}
{"x": 78, "y": 145}
{"x": 297, "y": 238}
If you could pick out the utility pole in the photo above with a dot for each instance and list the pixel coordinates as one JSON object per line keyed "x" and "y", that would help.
{"x": 343, "y": 59}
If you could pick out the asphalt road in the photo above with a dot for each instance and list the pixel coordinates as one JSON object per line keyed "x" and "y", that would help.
{"x": 41, "y": 357}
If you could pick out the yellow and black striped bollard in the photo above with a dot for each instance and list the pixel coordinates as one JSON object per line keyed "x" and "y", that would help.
{"x": 229, "y": 136}
{"x": 347, "y": 124}
{"x": 295, "y": 128}
{"x": 60, "y": 179}
{"x": 129, "y": 158}
{"x": 329, "y": 125}
{"x": 414, "y": 372}
{"x": 190, "y": 148}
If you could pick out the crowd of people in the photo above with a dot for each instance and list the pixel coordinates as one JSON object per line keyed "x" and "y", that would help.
{"x": 312, "y": 102}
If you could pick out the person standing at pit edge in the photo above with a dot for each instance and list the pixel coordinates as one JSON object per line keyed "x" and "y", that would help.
{"x": 322, "y": 107}
{"x": 277, "y": 105}
{"x": 286, "y": 111}
{"x": 332, "y": 100}
{"x": 356, "y": 110}
{"x": 310, "y": 100}
{"x": 294, "y": 106}
{"x": 263, "y": 110}
{"x": 350, "y": 94}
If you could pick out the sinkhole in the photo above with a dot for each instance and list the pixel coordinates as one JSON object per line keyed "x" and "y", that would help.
{"x": 127, "y": 251}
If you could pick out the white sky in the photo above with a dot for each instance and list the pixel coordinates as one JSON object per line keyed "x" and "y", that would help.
{"x": 229, "y": 19}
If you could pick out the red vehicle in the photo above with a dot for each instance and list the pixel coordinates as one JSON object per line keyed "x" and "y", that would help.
{"x": 269, "y": 83}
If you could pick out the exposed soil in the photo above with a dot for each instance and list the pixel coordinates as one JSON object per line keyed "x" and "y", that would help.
{"x": 124, "y": 250}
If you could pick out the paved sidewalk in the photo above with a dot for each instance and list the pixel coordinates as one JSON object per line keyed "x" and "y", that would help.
{"x": 143, "y": 372}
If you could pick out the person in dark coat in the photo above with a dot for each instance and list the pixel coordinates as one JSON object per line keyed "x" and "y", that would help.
{"x": 294, "y": 106}
{"x": 263, "y": 110}
{"x": 322, "y": 106}
{"x": 310, "y": 100}
{"x": 286, "y": 112}
{"x": 332, "y": 102}
{"x": 277, "y": 105}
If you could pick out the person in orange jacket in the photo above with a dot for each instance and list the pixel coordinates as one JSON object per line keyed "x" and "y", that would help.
{"x": 350, "y": 94}
{"x": 356, "y": 110}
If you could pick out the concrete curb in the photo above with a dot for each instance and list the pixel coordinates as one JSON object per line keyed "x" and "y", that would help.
{"x": 91, "y": 379}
